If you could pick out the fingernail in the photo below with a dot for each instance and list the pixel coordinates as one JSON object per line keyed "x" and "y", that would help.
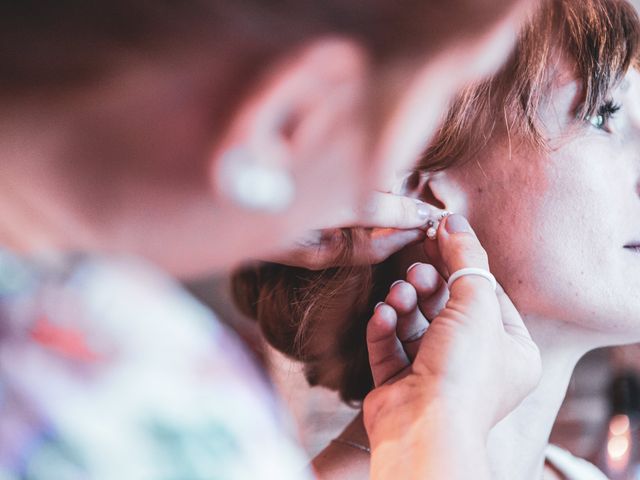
{"x": 395, "y": 283}
{"x": 424, "y": 210}
{"x": 457, "y": 224}
{"x": 377, "y": 305}
{"x": 412, "y": 266}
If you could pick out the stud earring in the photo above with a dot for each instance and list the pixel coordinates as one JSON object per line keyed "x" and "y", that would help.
{"x": 432, "y": 230}
{"x": 254, "y": 185}
{"x": 432, "y": 226}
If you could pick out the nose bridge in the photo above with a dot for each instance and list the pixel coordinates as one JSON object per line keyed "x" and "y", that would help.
{"x": 635, "y": 153}
{"x": 631, "y": 135}
{"x": 635, "y": 117}
{"x": 634, "y": 131}
{"x": 633, "y": 144}
{"x": 631, "y": 100}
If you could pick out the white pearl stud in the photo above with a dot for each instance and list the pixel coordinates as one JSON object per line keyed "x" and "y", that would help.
{"x": 432, "y": 226}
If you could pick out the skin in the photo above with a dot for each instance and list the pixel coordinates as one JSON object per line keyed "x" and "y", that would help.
{"x": 558, "y": 250}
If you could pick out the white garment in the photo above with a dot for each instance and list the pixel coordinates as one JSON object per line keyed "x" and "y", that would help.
{"x": 572, "y": 467}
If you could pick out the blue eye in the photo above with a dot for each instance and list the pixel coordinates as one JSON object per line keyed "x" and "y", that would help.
{"x": 605, "y": 113}
{"x": 597, "y": 121}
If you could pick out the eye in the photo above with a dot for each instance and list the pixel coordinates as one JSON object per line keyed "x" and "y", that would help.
{"x": 597, "y": 121}
{"x": 605, "y": 113}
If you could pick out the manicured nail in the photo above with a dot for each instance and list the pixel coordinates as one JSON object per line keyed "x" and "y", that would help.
{"x": 395, "y": 283}
{"x": 457, "y": 224}
{"x": 424, "y": 210}
{"x": 377, "y": 305}
{"x": 412, "y": 266}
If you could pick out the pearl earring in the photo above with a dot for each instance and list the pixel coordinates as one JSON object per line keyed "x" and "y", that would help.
{"x": 254, "y": 185}
{"x": 432, "y": 231}
{"x": 432, "y": 226}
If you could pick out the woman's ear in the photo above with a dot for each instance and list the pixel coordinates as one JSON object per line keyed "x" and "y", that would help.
{"x": 440, "y": 189}
{"x": 307, "y": 102}
{"x": 418, "y": 185}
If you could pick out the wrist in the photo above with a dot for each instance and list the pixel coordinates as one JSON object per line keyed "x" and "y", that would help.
{"x": 418, "y": 433}
{"x": 414, "y": 406}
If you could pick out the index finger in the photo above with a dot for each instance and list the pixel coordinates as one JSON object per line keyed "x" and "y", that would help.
{"x": 388, "y": 210}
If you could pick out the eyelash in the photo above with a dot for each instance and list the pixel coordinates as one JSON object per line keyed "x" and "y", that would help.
{"x": 605, "y": 113}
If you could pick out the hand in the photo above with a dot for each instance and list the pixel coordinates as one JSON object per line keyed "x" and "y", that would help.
{"x": 389, "y": 223}
{"x": 472, "y": 364}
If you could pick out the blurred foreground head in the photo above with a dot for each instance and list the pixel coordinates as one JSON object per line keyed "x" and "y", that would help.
{"x": 123, "y": 120}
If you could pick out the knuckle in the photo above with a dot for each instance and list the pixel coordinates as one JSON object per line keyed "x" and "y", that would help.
{"x": 425, "y": 277}
{"x": 385, "y": 358}
{"x": 406, "y": 209}
{"x": 375, "y": 335}
{"x": 373, "y": 402}
{"x": 414, "y": 336}
{"x": 470, "y": 251}
{"x": 369, "y": 207}
{"x": 473, "y": 296}
{"x": 475, "y": 287}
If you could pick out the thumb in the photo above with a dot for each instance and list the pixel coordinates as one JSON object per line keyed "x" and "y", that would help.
{"x": 460, "y": 248}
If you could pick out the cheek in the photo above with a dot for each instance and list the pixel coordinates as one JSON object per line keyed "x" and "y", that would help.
{"x": 505, "y": 202}
{"x": 538, "y": 218}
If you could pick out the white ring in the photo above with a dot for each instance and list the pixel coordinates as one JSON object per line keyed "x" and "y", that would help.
{"x": 481, "y": 272}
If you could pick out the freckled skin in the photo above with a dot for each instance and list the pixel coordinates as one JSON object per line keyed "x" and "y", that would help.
{"x": 555, "y": 223}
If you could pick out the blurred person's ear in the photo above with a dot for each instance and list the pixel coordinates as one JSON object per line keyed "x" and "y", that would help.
{"x": 308, "y": 110}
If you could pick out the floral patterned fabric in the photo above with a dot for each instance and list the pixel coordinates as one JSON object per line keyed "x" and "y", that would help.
{"x": 109, "y": 370}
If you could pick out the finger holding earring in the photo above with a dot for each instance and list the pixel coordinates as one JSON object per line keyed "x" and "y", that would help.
{"x": 432, "y": 226}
